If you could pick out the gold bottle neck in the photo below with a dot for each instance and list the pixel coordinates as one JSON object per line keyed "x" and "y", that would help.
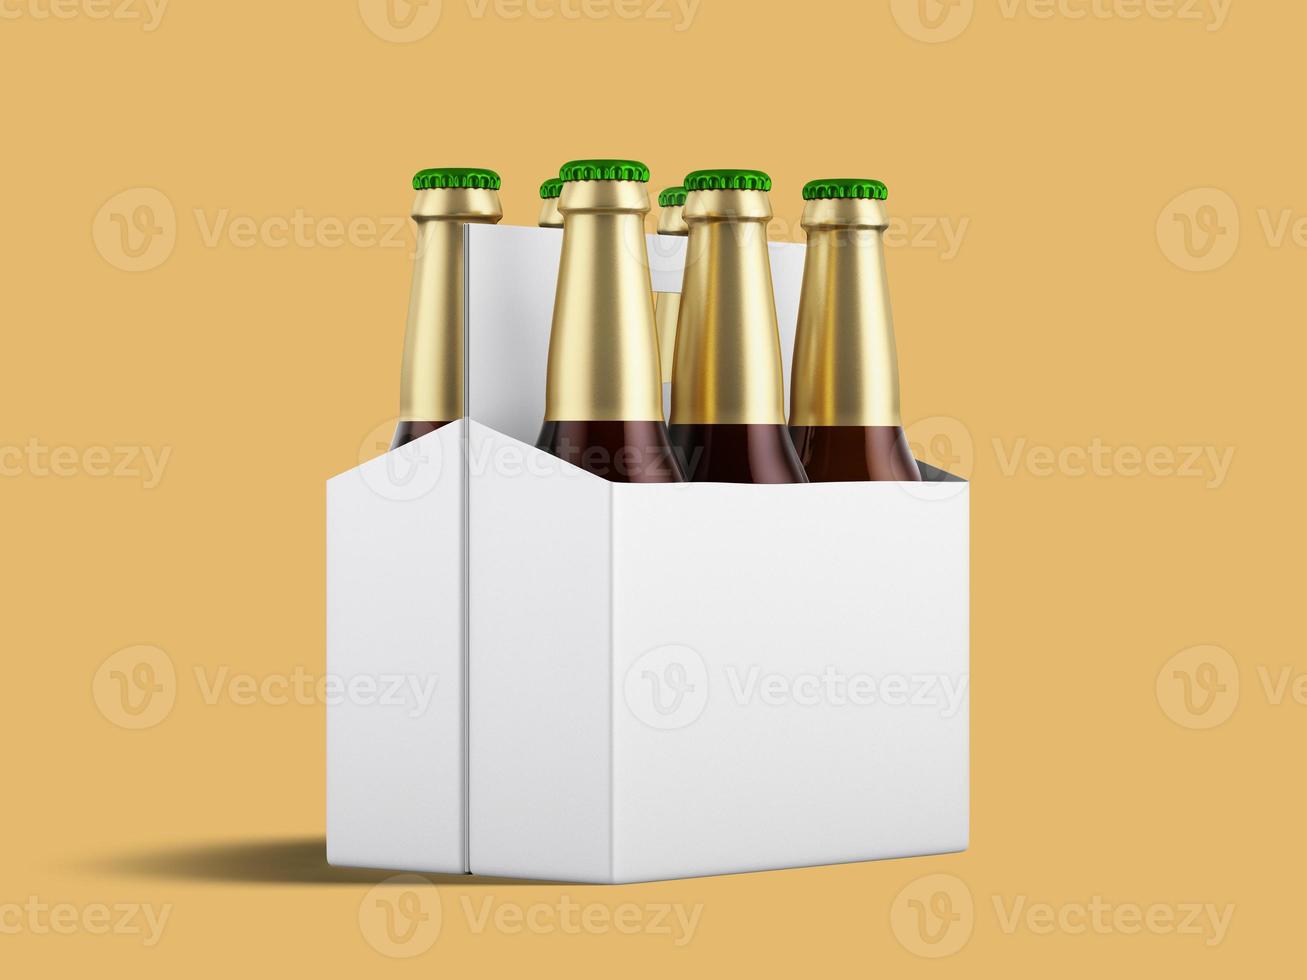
{"x": 463, "y": 204}
{"x": 845, "y": 364}
{"x": 550, "y": 216}
{"x": 671, "y": 221}
{"x": 728, "y": 353}
{"x": 431, "y": 385}
{"x": 667, "y": 307}
{"x": 848, "y": 213}
{"x": 603, "y": 352}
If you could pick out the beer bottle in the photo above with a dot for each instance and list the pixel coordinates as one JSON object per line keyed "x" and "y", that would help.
{"x": 603, "y": 394}
{"x": 844, "y": 388}
{"x": 728, "y": 398}
{"x": 671, "y": 221}
{"x": 550, "y": 216}
{"x": 431, "y": 388}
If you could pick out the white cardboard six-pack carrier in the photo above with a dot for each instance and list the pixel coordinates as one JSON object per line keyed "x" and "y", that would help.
{"x": 546, "y": 675}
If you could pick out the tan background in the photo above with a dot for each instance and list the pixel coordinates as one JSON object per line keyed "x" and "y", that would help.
{"x": 1074, "y": 317}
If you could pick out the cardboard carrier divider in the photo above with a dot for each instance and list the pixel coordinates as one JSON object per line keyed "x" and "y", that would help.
{"x": 541, "y": 674}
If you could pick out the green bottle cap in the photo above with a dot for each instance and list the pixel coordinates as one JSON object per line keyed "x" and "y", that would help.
{"x": 727, "y": 180}
{"x": 439, "y": 178}
{"x": 824, "y": 190}
{"x": 604, "y": 170}
{"x": 551, "y": 188}
{"x": 671, "y": 197}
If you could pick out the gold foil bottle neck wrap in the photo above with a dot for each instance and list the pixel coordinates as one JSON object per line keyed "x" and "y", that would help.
{"x": 728, "y": 367}
{"x": 550, "y": 216}
{"x": 431, "y": 387}
{"x": 671, "y": 220}
{"x": 667, "y": 306}
{"x": 603, "y": 351}
{"x": 845, "y": 364}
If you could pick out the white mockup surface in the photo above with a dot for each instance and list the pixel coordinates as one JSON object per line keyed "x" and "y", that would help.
{"x": 397, "y": 652}
{"x": 634, "y": 682}
{"x": 670, "y": 681}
